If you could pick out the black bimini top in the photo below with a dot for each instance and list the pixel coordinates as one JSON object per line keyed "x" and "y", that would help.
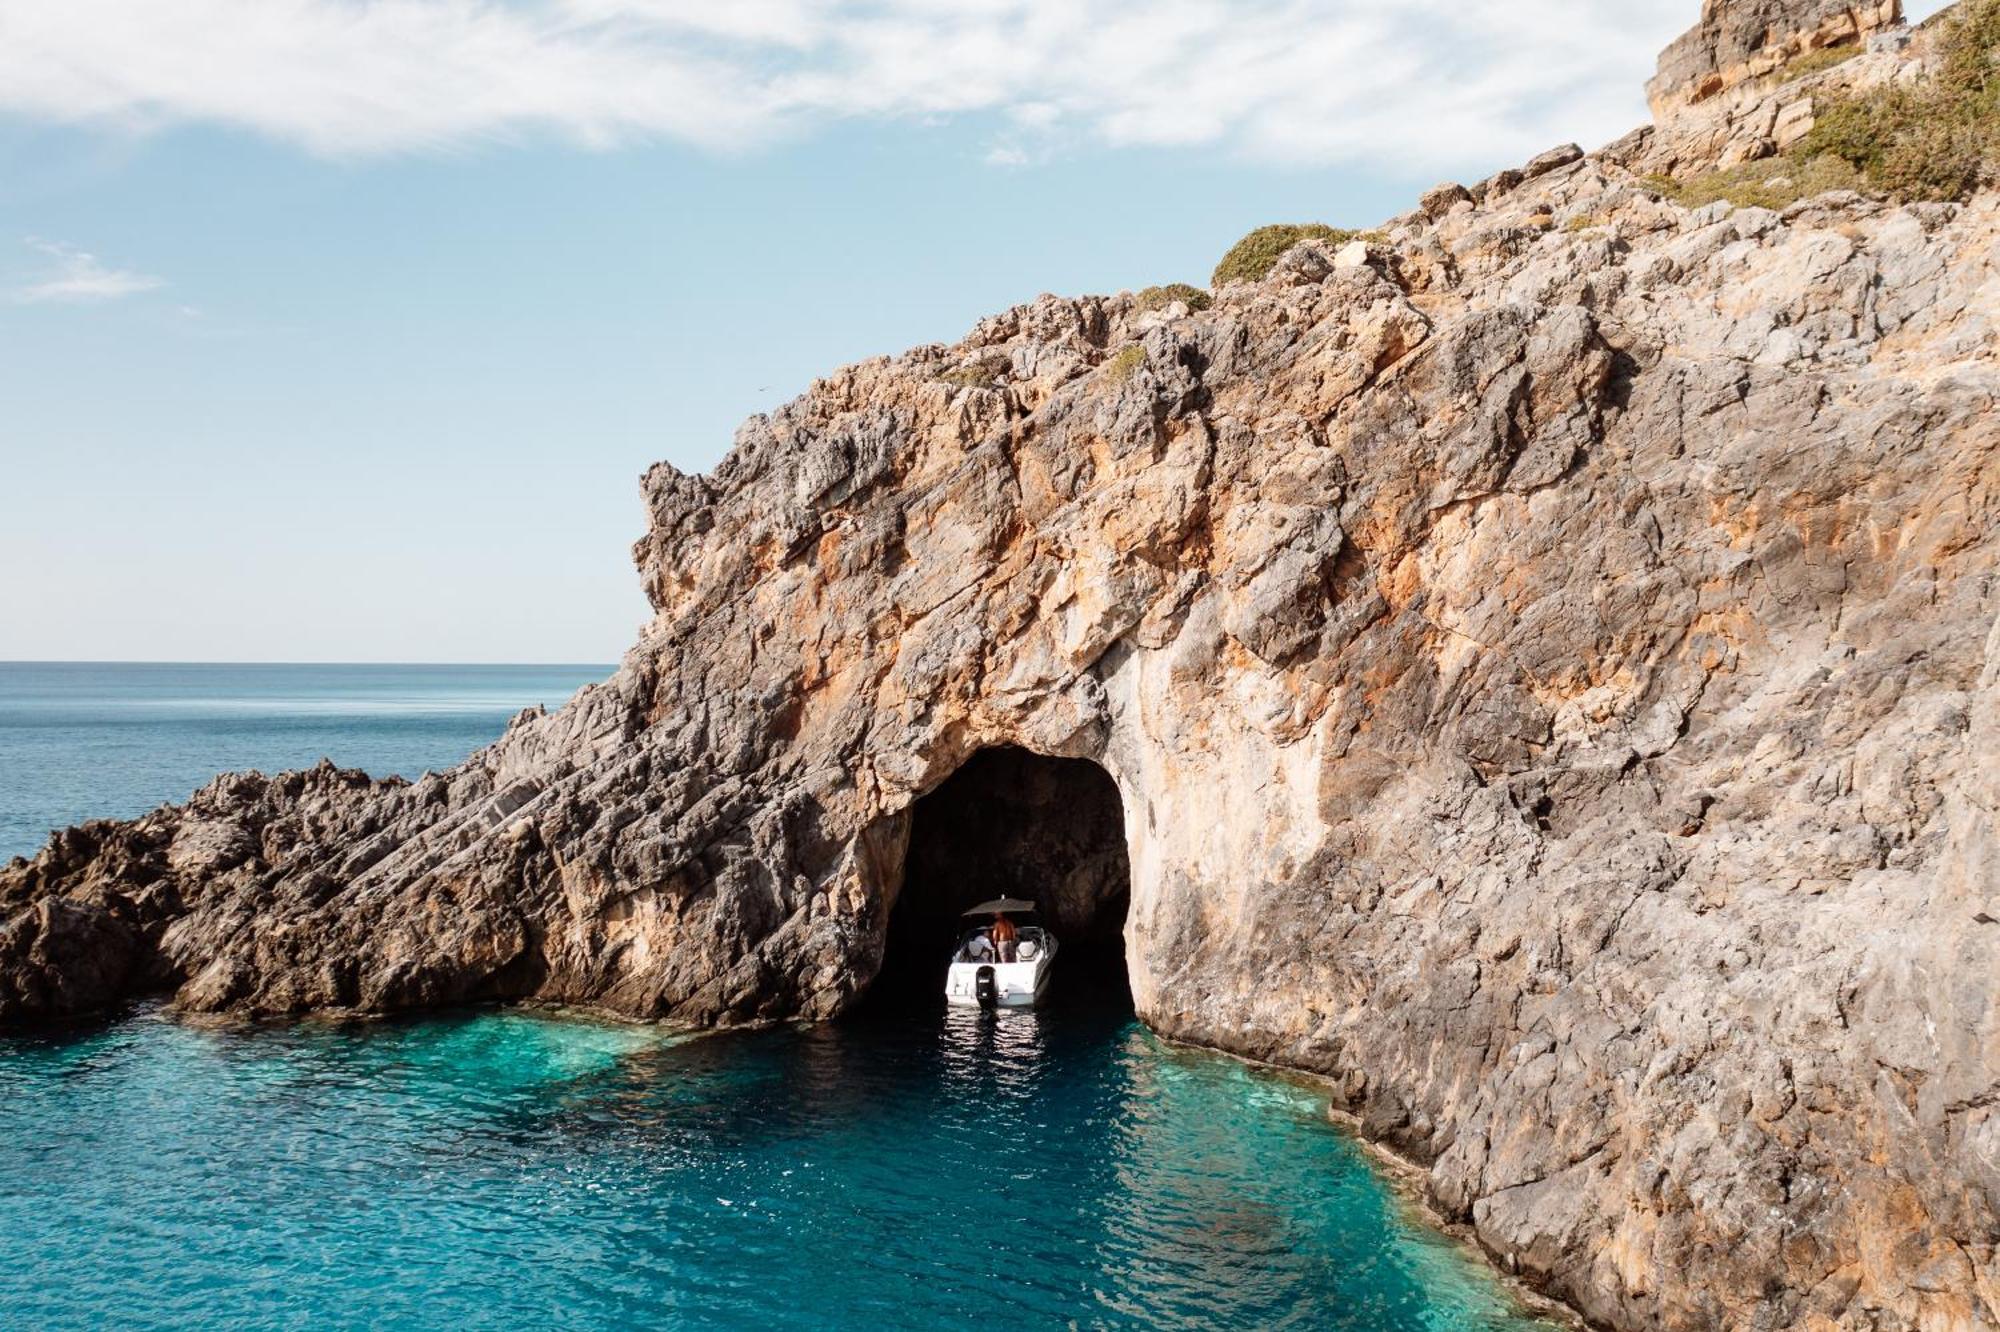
{"x": 1002, "y": 906}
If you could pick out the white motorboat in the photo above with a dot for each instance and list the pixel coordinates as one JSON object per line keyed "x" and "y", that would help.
{"x": 986, "y": 973}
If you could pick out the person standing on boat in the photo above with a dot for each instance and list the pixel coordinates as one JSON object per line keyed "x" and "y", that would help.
{"x": 1004, "y": 934}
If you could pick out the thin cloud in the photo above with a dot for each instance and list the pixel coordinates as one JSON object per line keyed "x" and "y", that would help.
{"x": 79, "y": 277}
{"x": 1432, "y": 84}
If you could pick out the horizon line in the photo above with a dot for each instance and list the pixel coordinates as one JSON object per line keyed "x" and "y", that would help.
{"x": 149, "y": 661}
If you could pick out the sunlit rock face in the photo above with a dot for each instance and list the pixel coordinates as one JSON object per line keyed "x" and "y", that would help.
{"x": 1547, "y": 661}
{"x": 1740, "y": 41}
{"x": 1750, "y": 80}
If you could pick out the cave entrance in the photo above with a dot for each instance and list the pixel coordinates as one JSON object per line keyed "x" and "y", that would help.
{"x": 1011, "y": 823}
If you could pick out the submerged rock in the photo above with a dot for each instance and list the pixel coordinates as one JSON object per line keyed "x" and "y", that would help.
{"x": 1550, "y": 671}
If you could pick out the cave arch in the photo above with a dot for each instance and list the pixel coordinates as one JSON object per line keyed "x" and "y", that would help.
{"x": 1013, "y": 822}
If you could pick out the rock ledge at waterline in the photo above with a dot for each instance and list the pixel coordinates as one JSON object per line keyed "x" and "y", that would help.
{"x": 1546, "y": 652}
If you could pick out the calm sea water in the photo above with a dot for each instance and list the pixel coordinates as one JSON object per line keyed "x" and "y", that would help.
{"x": 82, "y": 740}
{"x": 911, "y": 1167}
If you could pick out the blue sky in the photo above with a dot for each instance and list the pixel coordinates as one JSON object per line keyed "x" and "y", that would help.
{"x": 348, "y": 338}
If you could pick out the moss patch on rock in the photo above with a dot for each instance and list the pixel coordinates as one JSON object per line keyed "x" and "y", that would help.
{"x": 1816, "y": 62}
{"x": 1126, "y": 363}
{"x": 972, "y": 376}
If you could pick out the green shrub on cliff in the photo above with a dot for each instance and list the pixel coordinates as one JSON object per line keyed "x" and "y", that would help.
{"x": 1126, "y": 363}
{"x": 1251, "y": 259}
{"x": 1158, "y": 298}
{"x": 1775, "y": 182}
{"x": 1816, "y": 62}
{"x": 1933, "y": 140}
{"x": 1904, "y": 144}
{"x": 980, "y": 374}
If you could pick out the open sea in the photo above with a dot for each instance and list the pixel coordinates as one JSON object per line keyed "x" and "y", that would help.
{"x": 910, "y": 1167}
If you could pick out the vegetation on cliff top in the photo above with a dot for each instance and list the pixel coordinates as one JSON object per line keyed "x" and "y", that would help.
{"x": 1933, "y": 140}
{"x": 1816, "y": 61}
{"x": 1775, "y": 182}
{"x": 1251, "y": 259}
{"x": 1159, "y": 298}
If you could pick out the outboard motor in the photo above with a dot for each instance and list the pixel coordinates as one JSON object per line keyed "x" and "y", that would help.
{"x": 986, "y": 988}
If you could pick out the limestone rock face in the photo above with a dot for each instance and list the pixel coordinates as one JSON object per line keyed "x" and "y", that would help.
{"x": 1738, "y": 41}
{"x": 1772, "y": 110}
{"x": 1549, "y": 667}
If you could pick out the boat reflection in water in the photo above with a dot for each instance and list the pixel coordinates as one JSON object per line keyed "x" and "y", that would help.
{"x": 1005, "y": 1045}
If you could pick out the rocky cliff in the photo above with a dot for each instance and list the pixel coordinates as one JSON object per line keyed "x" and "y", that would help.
{"x": 1740, "y": 41}
{"x": 1548, "y": 657}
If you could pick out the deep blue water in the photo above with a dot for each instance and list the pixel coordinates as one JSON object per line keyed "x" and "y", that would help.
{"x": 82, "y": 740}
{"x": 909, "y": 1168}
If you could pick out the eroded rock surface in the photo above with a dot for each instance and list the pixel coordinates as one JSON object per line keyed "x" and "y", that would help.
{"x": 1550, "y": 665}
{"x": 1738, "y": 41}
{"x": 1776, "y": 101}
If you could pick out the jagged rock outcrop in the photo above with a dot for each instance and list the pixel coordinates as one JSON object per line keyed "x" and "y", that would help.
{"x": 1549, "y": 659}
{"x": 1771, "y": 102}
{"x": 1739, "y": 41}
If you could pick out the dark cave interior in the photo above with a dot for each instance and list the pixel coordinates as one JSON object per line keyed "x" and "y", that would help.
{"x": 1019, "y": 824}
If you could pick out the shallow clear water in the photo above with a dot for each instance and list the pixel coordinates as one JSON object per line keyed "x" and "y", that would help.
{"x": 82, "y": 740}
{"x": 515, "y": 1169}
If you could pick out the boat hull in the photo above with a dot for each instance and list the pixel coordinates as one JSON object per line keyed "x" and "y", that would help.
{"x": 1015, "y": 984}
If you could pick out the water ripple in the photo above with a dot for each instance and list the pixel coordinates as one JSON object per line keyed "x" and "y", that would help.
{"x": 509, "y": 1169}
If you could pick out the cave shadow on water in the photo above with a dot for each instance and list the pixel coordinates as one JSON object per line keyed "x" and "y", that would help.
{"x": 1019, "y": 824}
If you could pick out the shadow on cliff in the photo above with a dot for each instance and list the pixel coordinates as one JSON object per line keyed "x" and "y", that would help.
{"x": 1017, "y": 824}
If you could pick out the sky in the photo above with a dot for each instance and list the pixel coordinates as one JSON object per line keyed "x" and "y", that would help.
{"x": 341, "y": 330}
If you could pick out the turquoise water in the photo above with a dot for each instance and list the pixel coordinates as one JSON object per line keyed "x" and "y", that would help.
{"x": 515, "y": 1170}
{"x": 82, "y": 740}
{"x": 908, "y": 1168}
